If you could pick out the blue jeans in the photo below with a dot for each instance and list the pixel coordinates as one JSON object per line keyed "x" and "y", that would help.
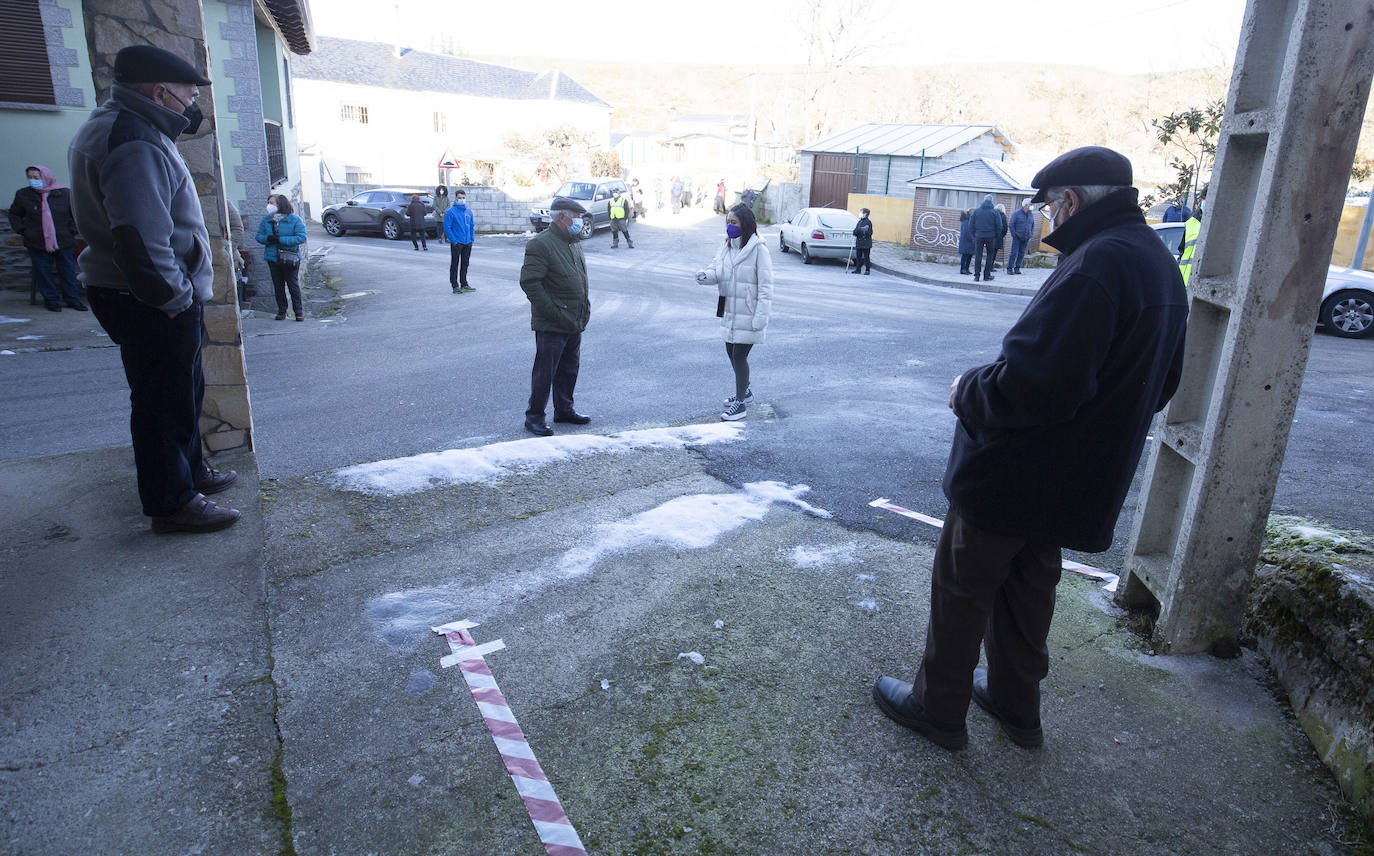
{"x": 557, "y": 357}
{"x": 166, "y": 387}
{"x": 66, "y": 269}
{"x": 1018, "y": 254}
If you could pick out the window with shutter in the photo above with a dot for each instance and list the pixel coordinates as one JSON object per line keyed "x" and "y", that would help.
{"x": 25, "y": 74}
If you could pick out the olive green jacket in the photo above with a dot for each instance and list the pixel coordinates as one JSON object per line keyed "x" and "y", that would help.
{"x": 554, "y": 277}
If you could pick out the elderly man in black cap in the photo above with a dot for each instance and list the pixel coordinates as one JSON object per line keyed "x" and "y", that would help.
{"x": 554, "y": 277}
{"x": 1046, "y": 442}
{"x": 147, "y": 270}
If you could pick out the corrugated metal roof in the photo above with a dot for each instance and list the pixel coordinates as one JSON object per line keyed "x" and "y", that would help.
{"x": 932, "y": 141}
{"x": 292, "y": 18}
{"x": 377, "y": 64}
{"x": 976, "y": 174}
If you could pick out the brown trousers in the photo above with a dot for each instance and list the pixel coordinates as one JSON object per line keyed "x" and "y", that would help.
{"x": 997, "y": 590}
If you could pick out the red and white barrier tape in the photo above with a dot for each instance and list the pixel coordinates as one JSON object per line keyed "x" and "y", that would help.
{"x": 555, "y": 830}
{"x": 1108, "y": 577}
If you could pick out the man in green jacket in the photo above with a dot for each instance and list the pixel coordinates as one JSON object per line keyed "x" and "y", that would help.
{"x": 554, "y": 277}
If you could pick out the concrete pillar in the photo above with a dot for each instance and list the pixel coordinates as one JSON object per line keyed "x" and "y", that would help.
{"x": 178, "y": 26}
{"x": 1293, "y": 115}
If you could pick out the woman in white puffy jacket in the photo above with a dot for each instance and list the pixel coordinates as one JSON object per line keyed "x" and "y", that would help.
{"x": 743, "y": 273}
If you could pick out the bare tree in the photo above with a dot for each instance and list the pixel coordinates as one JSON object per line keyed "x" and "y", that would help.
{"x": 837, "y": 34}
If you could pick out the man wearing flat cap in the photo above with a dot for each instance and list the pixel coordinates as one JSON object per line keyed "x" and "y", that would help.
{"x": 1046, "y": 442}
{"x": 554, "y": 277}
{"x": 147, "y": 270}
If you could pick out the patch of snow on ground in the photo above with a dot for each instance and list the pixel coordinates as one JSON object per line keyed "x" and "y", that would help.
{"x": 5, "y": 319}
{"x": 693, "y": 656}
{"x": 868, "y": 604}
{"x": 1312, "y": 533}
{"x": 30, "y": 338}
{"x": 491, "y": 463}
{"x": 687, "y": 522}
{"x": 817, "y": 556}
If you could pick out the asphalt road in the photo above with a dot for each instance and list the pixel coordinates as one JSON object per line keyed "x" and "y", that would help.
{"x": 850, "y": 386}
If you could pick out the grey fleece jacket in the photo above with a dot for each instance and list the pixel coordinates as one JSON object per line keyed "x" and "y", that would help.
{"x": 136, "y": 205}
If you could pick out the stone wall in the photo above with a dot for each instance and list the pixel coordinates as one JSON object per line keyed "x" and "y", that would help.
{"x": 178, "y": 26}
{"x": 494, "y": 209}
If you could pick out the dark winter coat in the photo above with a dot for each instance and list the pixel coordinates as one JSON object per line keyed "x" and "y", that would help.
{"x": 985, "y": 222}
{"x": 416, "y": 211}
{"x": 966, "y": 245}
{"x": 1022, "y": 225}
{"x": 863, "y": 234}
{"x": 1001, "y": 228}
{"x": 26, "y": 218}
{"x": 1049, "y": 434}
{"x": 554, "y": 278}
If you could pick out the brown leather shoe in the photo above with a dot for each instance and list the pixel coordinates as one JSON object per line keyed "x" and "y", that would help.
{"x": 214, "y": 481}
{"x": 198, "y": 515}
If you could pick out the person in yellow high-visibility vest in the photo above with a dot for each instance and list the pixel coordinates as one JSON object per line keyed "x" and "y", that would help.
{"x": 1191, "y": 230}
{"x": 620, "y": 219}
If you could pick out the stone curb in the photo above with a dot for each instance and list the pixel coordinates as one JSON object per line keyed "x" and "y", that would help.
{"x": 960, "y": 284}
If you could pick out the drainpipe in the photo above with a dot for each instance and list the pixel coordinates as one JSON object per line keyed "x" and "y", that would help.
{"x": 923, "y": 163}
{"x": 887, "y": 179}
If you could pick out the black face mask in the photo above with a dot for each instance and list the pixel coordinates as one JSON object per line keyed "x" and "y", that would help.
{"x": 193, "y": 115}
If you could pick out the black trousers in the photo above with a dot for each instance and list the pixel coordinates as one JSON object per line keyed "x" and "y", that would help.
{"x": 983, "y": 266}
{"x": 862, "y": 258}
{"x": 166, "y": 387}
{"x": 458, "y": 255}
{"x": 286, "y": 278}
{"x": 417, "y": 235}
{"x": 739, "y": 361}
{"x": 557, "y": 357}
{"x": 993, "y": 589}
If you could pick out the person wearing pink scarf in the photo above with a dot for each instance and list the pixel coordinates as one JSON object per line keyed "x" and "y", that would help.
{"x": 42, "y": 215}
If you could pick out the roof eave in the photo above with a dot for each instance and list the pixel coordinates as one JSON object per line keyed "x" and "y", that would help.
{"x": 291, "y": 19}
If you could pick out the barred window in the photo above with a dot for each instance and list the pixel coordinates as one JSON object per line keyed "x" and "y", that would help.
{"x": 353, "y": 113}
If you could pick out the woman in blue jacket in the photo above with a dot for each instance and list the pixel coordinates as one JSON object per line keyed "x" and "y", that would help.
{"x": 283, "y": 233}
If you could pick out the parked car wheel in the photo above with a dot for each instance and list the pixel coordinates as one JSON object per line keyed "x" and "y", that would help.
{"x": 333, "y": 226}
{"x": 806, "y": 256}
{"x": 1349, "y": 314}
{"x": 587, "y": 227}
{"x": 391, "y": 228}
{"x": 782, "y": 245}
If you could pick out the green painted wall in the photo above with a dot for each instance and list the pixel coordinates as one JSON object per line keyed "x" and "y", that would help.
{"x": 41, "y": 136}
{"x": 214, "y": 14}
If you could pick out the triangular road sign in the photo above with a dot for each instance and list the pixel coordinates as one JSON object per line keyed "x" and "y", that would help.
{"x": 448, "y": 161}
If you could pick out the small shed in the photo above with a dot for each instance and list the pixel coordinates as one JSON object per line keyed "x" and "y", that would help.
{"x": 940, "y": 197}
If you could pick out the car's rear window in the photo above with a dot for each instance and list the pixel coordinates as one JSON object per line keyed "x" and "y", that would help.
{"x": 837, "y": 220}
{"x": 577, "y": 190}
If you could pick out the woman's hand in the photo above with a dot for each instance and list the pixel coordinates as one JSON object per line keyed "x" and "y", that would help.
{"x": 701, "y": 276}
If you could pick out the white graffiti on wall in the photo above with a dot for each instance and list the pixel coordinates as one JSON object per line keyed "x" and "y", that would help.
{"x": 930, "y": 229}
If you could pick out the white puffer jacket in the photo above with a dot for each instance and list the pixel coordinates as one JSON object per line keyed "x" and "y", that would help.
{"x": 745, "y": 280}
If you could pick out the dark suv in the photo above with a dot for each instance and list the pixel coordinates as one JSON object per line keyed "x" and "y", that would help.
{"x": 593, "y": 193}
{"x": 382, "y": 210}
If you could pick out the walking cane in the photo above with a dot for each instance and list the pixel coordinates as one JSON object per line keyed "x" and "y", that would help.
{"x": 849, "y": 261}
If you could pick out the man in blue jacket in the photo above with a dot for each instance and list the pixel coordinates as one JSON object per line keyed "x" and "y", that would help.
{"x": 1022, "y": 227}
{"x": 986, "y": 226}
{"x": 460, "y": 232}
{"x": 147, "y": 270}
{"x": 1046, "y": 442}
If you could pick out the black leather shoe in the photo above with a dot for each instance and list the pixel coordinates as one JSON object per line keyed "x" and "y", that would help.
{"x": 540, "y": 428}
{"x": 198, "y": 515}
{"x": 894, "y": 699}
{"x": 53, "y": 306}
{"x": 573, "y": 418}
{"x": 214, "y": 481}
{"x": 79, "y": 307}
{"x": 1024, "y": 733}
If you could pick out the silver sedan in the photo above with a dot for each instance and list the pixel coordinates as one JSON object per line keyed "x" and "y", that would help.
{"x": 819, "y": 233}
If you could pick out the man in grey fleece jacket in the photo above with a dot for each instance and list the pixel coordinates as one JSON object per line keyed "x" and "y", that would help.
{"x": 147, "y": 270}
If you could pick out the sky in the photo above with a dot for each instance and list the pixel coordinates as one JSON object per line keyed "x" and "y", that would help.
{"x": 1144, "y": 36}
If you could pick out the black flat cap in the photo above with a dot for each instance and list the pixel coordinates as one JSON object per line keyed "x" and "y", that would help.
{"x": 1083, "y": 166}
{"x": 148, "y": 64}
{"x": 562, "y": 203}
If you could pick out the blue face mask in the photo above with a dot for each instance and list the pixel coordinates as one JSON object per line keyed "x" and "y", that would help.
{"x": 36, "y": 183}
{"x": 575, "y": 227}
{"x": 731, "y": 230}
{"x": 461, "y": 203}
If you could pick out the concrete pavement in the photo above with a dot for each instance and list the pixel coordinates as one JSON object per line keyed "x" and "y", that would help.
{"x": 197, "y": 694}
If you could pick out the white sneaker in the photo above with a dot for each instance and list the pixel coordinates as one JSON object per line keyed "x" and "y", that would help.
{"x": 748, "y": 397}
{"x": 733, "y": 411}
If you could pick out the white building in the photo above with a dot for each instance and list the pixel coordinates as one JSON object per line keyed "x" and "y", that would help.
{"x": 371, "y": 114}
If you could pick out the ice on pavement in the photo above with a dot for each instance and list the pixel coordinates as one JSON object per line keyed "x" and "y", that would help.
{"x": 402, "y": 618}
{"x": 687, "y": 522}
{"x": 491, "y": 463}
{"x": 821, "y": 556}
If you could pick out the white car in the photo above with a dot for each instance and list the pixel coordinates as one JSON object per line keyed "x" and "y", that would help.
{"x": 1347, "y": 307}
{"x": 819, "y": 233}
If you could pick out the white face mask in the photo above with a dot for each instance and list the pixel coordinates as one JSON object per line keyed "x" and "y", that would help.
{"x": 271, "y": 209}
